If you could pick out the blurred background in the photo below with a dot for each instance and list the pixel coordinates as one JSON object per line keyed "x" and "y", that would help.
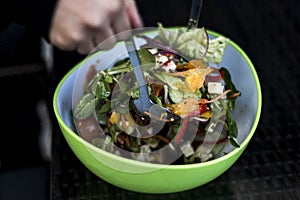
{"x": 268, "y": 31}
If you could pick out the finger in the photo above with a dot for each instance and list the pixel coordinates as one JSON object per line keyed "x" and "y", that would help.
{"x": 121, "y": 21}
{"x": 86, "y": 47}
{"x": 121, "y": 25}
{"x": 133, "y": 13}
{"x": 104, "y": 38}
{"x": 61, "y": 40}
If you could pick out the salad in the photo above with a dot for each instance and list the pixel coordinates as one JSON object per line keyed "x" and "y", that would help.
{"x": 180, "y": 70}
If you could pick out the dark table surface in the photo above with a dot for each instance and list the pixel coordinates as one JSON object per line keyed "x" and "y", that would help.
{"x": 269, "y": 32}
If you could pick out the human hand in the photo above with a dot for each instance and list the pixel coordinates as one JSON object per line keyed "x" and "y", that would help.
{"x": 83, "y": 24}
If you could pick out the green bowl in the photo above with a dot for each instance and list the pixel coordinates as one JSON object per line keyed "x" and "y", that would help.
{"x": 154, "y": 178}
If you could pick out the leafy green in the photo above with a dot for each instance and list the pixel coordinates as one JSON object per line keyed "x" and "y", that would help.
{"x": 234, "y": 142}
{"x": 225, "y": 106}
{"x": 146, "y": 57}
{"x": 228, "y": 83}
{"x": 102, "y": 90}
{"x": 177, "y": 95}
{"x": 193, "y": 43}
{"x": 99, "y": 85}
{"x": 156, "y": 99}
{"x": 85, "y": 107}
{"x": 172, "y": 81}
{"x": 105, "y": 107}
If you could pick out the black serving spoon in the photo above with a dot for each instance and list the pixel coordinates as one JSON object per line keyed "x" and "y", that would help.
{"x": 195, "y": 14}
{"x": 143, "y": 104}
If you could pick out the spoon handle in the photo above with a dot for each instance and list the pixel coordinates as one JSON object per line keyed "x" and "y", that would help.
{"x": 195, "y": 14}
{"x": 135, "y": 62}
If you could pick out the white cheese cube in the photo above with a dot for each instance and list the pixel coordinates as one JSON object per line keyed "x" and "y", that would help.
{"x": 160, "y": 59}
{"x": 215, "y": 88}
{"x": 164, "y": 62}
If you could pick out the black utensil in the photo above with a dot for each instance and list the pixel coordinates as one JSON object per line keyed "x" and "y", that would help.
{"x": 143, "y": 104}
{"x": 195, "y": 14}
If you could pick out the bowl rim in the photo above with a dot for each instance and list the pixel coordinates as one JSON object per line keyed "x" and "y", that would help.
{"x": 180, "y": 166}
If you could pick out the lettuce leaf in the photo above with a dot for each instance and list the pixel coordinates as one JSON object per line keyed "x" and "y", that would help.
{"x": 193, "y": 43}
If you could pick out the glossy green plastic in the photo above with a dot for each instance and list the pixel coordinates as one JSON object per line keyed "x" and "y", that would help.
{"x": 152, "y": 178}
